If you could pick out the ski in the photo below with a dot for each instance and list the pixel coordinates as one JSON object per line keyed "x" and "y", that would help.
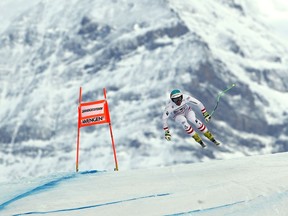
{"x": 217, "y": 143}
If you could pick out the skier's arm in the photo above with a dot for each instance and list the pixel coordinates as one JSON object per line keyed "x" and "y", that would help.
{"x": 201, "y": 107}
{"x": 165, "y": 117}
{"x": 196, "y": 102}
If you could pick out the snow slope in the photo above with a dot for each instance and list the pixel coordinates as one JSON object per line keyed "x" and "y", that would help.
{"x": 254, "y": 186}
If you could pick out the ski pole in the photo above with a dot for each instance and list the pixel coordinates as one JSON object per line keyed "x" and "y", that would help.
{"x": 219, "y": 96}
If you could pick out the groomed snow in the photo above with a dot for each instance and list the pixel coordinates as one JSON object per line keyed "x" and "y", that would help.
{"x": 255, "y": 185}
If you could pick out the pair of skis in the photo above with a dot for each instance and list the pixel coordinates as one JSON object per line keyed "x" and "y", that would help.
{"x": 203, "y": 145}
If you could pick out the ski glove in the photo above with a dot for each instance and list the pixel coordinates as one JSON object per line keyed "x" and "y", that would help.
{"x": 167, "y": 135}
{"x": 207, "y": 116}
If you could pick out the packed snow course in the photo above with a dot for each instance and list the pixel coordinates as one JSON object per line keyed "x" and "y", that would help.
{"x": 255, "y": 185}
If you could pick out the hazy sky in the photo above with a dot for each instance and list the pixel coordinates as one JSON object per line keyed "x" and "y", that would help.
{"x": 9, "y": 9}
{"x": 271, "y": 12}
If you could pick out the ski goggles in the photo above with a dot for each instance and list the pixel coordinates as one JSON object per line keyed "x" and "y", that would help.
{"x": 177, "y": 99}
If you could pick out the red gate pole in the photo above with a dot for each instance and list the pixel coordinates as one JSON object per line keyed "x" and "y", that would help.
{"x": 78, "y": 131}
{"x": 111, "y": 134}
{"x": 113, "y": 146}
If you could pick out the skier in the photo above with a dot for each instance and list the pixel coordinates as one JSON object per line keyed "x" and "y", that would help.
{"x": 181, "y": 112}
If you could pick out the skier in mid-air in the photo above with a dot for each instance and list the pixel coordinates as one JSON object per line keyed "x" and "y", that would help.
{"x": 178, "y": 108}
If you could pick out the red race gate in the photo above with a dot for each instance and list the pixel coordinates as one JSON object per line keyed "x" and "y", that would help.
{"x": 93, "y": 113}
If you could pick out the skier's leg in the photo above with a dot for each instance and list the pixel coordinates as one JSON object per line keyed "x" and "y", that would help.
{"x": 183, "y": 121}
{"x": 211, "y": 137}
{"x": 188, "y": 128}
{"x": 192, "y": 118}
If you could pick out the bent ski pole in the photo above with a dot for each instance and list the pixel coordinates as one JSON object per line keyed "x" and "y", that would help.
{"x": 219, "y": 96}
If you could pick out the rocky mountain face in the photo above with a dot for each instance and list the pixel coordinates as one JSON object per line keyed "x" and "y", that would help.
{"x": 139, "y": 51}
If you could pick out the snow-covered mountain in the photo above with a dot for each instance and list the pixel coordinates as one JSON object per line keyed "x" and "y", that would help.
{"x": 139, "y": 51}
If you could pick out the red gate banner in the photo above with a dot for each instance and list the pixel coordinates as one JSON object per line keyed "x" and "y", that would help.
{"x": 93, "y": 113}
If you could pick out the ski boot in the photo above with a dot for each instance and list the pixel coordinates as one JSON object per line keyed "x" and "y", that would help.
{"x": 211, "y": 138}
{"x": 198, "y": 139}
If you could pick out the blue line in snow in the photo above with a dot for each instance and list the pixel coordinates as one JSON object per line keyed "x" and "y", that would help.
{"x": 207, "y": 209}
{"x": 43, "y": 187}
{"x": 94, "y": 206}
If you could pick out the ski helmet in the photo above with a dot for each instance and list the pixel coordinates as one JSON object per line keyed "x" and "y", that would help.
{"x": 176, "y": 96}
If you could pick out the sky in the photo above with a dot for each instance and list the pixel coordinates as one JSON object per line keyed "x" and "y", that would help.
{"x": 273, "y": 13}
{"x": 255, "y": 185}
{"x": 10, "y": 9}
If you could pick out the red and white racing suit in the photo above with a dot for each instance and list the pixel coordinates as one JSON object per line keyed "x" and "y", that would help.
{"x": 184, "y": 112}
